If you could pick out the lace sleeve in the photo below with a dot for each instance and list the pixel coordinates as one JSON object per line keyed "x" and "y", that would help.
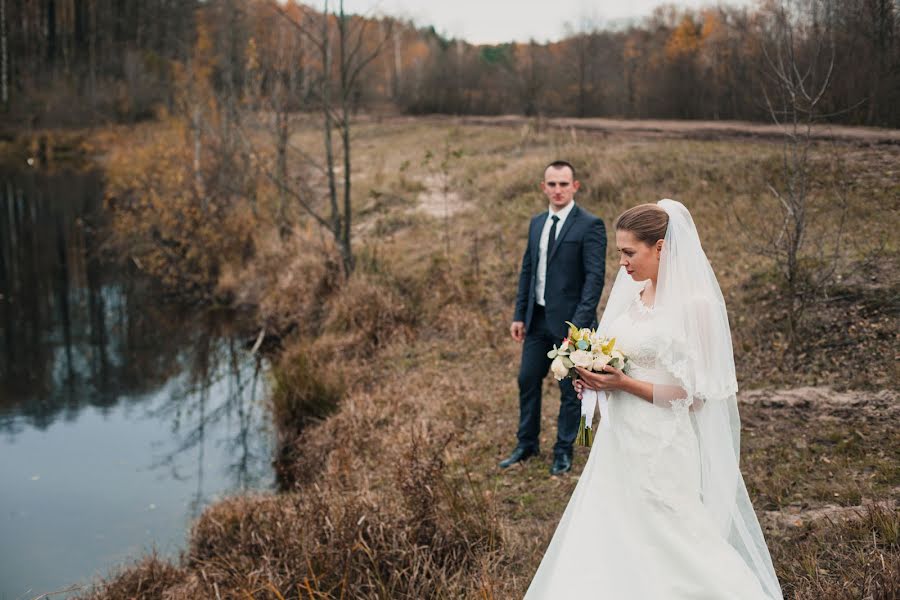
{"x": 693, "y": 359}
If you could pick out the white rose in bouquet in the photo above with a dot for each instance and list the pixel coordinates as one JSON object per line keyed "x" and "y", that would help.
{"x": 582, "y": 358}
{"x": 600, "y": 361}
{"x": 559, "y": 369}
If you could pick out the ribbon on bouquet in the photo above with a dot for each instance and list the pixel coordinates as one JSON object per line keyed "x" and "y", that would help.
{"x": 590, "y": 400}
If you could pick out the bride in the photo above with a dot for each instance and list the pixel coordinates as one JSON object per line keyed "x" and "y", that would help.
{"x": 660, "y": 511}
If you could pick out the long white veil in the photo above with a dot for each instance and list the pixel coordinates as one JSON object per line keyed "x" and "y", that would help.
{"x": 697, "y": 352}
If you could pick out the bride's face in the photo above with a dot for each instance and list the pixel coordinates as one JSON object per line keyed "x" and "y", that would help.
{"x": 640, "y": 259}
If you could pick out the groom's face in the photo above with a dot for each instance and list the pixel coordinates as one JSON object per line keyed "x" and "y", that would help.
{"x": 559, "y": 186}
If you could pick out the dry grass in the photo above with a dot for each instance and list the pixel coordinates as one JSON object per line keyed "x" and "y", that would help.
{"x": 843, "y": 560}
{"x": 287, "y": 282}
{"x": 403, "y": 472}
{"x": 810, "y": 447}
{"x": 335, "y": 540}
{"x": 149, "y": 578}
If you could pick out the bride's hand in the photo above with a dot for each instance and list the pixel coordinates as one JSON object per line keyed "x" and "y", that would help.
{"x": 611, "y": 379}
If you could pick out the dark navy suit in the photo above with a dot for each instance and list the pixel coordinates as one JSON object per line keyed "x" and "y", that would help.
{"x": 573, "y": 284}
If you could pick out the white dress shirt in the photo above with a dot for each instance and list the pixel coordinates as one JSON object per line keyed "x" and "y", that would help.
{"x": 541, "y": 282}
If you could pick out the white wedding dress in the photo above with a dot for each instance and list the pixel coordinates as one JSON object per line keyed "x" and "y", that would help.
{"x": 636, "y": 526}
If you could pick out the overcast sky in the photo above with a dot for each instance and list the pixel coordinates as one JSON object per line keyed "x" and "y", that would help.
{"x": 495, "y": 21}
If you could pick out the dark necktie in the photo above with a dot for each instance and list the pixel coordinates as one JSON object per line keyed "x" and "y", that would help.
{"x": 551, "y": 241}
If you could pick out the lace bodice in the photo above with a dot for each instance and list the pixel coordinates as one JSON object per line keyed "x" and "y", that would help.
{"x": 637, "y": 336}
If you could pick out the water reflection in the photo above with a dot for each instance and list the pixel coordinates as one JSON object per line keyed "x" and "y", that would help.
{"x": 75, "y": 332}
{"x": 121, "y": 416}
{"x": 218, "y": 368}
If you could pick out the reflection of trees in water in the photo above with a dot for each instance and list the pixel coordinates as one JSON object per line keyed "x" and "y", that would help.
{"x": 52, "y": 293}
{"x": 76, "y": 331}
{"x": 219, "y": 367}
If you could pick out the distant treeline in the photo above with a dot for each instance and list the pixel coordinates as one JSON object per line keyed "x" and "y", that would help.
{"x": 69, "y": 62}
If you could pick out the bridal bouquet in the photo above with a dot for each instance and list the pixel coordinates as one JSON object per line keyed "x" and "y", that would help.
{"x": 589, "y": 350}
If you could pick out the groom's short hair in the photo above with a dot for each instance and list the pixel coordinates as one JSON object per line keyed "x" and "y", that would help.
{"x": 559, "y": 164}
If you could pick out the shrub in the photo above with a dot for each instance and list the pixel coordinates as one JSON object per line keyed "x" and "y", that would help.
{"x": 306, "y": 390}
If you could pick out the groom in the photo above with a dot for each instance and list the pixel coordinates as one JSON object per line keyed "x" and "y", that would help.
{"x": 561, "y": 280}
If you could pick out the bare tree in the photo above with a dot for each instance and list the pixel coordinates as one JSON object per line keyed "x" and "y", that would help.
{"x": 4, "y": 63}
{"x": 273, "y": 73}
{"x": 345, "y": 47}
{"x": 193, "y": 102}
{"x": 793, "y": 97}
{"x": 280, "y": 98}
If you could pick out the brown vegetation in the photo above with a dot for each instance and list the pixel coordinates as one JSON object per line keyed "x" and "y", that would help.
{"x": 164, "y": 225}
{"x": 149, "y": 577}
{"x": 841, "y": 559}
{"x": 391, "y": 490}
{"x": 73, "y": 62}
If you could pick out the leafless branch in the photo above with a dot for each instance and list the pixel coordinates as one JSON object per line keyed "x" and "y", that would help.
{"x": 318, "y": 42}
{"x": 71, "y": 588}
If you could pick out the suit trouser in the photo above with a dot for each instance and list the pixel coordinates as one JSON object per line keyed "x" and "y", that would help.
{"x": 535, "y": 365}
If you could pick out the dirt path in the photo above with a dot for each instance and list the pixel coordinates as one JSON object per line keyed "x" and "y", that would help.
{"x": 822, "y": 401}
{"x": 705, "y": 130}
{"x": 795, "y": 516}
{"x": 439, "y": 199}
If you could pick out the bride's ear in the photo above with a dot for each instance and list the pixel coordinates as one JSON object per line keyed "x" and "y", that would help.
{"x": 659, "y": 247}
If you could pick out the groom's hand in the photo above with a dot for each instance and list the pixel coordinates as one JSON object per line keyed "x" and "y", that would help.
{"x": 517, "y": 330}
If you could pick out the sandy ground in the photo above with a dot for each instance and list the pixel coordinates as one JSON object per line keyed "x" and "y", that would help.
{"x": 439, "y": 200}
{"x": 822, "y": 405}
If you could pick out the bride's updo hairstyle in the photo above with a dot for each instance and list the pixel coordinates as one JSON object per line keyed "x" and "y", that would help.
{"x": 648, "y": 223}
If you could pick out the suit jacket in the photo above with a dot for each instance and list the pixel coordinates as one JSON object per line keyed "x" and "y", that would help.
{"x": 575, "y": 272}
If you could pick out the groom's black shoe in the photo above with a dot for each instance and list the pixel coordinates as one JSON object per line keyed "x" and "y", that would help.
{"x": 562, "y": 463}
{"x": 518, "y": 455}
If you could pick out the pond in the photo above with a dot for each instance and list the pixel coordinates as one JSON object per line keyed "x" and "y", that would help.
{"x": 121, "y": 415}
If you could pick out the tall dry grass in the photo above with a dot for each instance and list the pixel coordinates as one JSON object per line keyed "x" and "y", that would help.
{"x": 844, "y": 559}
{"x": 336, "y": 540}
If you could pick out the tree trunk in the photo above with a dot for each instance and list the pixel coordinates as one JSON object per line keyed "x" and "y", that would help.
{"x": 196, "y": 123}
{"x": 4, "y": 59}
{"x": 347, "y": 250}
{"x": 51, "y": 31}
{"x": 398, "y": 62}
{"x": 79, "y": 17}
{"x": 92, "y": 52}
{"x": 328, "y": 125}
{"x": 582, "y": 77}
{"x": 281, "y": 125}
